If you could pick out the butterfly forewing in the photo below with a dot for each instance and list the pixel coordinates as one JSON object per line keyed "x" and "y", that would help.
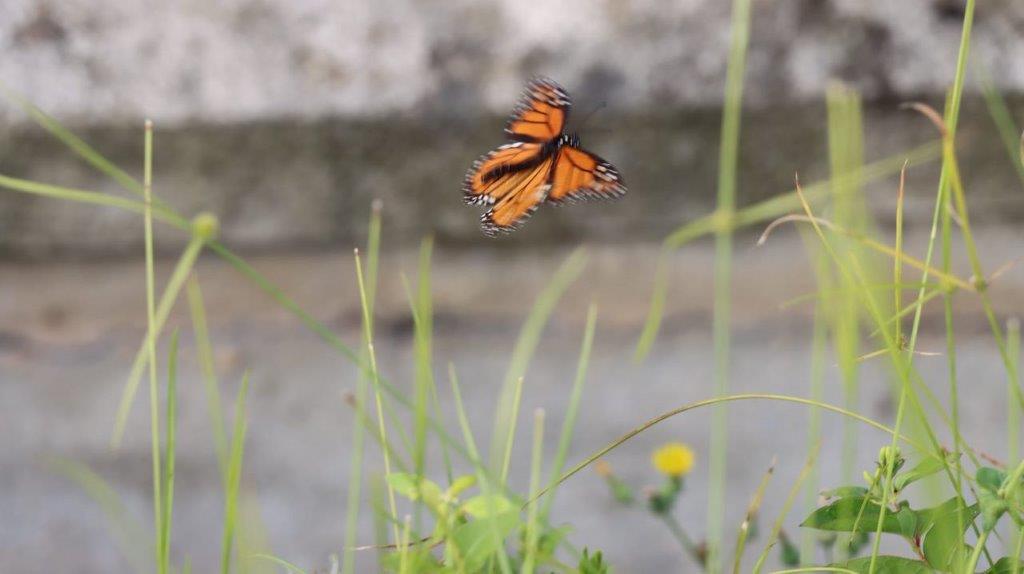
{"x": 484, "y": 181}
{"x": 541, "y": 112}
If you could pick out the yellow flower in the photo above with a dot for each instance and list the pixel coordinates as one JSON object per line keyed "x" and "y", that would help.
{"x": 673, "y": 459}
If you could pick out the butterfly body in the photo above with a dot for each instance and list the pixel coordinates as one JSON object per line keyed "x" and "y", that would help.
{"x": 541, "y": 165}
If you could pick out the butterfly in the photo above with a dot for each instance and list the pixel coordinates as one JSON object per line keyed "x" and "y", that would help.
{"x": 541, "y": 164}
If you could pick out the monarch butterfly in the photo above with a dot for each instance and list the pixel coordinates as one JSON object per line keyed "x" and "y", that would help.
{"x": 541, "y": 165}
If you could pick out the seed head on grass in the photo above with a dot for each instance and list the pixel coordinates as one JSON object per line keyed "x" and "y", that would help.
{"x": 206, "y": 226}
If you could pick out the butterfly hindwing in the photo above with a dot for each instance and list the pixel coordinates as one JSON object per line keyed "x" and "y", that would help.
{"x": 541, "y": 112}
{"x": 521, "y": 193}
{"x": 579, "y": 174}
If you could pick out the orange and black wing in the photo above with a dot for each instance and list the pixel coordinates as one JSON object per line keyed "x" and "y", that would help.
{"x": 485, "y": 182}
{"x": 579, "y": 174}
{"x": 541, "y": 112}
{"x": 520, "y": 193}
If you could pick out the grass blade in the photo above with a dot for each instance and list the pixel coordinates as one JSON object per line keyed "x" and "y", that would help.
{"x": 149, "y": 350}
{"x": 361, "y": 419}
{"x": 532, "y": 522}
{"x": 721, "y": 320}
{"x": 197, "y": 310}
{"x": 574, "y": 404}
{"x": 169, "y": 451}
{"x": 234, "y": 478}
{"x": 529, "y": 337}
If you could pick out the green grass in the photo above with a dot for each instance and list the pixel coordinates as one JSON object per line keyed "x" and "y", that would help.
{"x": 868, "y": 306}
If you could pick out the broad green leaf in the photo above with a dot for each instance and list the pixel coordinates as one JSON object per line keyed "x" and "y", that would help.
{"x": 845, "y": 514}
{"x": 479, "y": 539}
{"x": 943, "y": 531}
{"x": 887, "y": 565}
{"x": 925, "y": 468}
{"x": 1005, "y": 566}
{"x": 990, "y": 478}
{"x": 845, "y": 492}
{"x": 992, "y": 508}
{"x": 488, "y": 505}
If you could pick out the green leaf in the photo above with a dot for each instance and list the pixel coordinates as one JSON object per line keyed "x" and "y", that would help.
{"x": 887, "y": 565}
{"x": 845, "y": 515}
{"x": 943, "y": 531}
{"x": 479, "y": 539}
{"x": 592, "y": 563}
{"x": 418, "y": 559}
{"x": 416, "y": 488}
{"x": 404, "y": 483}
{"x": 990, "y": 478}
{"x": 489, "y": 505}
{"x": 845, "y": 492}
{"x": 1005, "y": 566}
{"x": 992, "y": 508}
{"x": 925, "y": 468}
{"x": 460, "y": 484}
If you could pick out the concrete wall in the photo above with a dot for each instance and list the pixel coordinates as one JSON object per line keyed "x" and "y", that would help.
{"x": 103, "y": 61}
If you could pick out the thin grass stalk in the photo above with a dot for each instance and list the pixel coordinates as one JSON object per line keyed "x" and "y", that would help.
{"x": 204, "y": 349}
{"x": 809, "y": 468}
{"x": 817, "y": 384}
{"x": 1013, "y": 410}
{"x": 1003, "y": 119}
{"x": 378, "y": 395}
{"x": 731, "y": 398}
{"x": 506, "y": 459}
{"x": 721, "y": 322}
{"x": 954, "y": 399}
{"x": 569, "y": 424}
{"x": 150, "y": 349}
{"x": 483, "y": 479}
{"x": 169, "y": 450}
{"x": 1018, "y": 552}
{"x": 533, "y": 523}
{"x": 1013, "y": 418}
{"x": 845, "y": 159}
{"x": 526, "y": 344}
{"x": 752, "y": 510}
{"x": 423, "y": 323}
{"x": 132, "y": 536}
{"x": 902, "y": 365}
{"x": 361, "y": 420}
{"x": 163, "y": 309}
{"x": 760, "y": 212}
{"x": 234, "y": 478}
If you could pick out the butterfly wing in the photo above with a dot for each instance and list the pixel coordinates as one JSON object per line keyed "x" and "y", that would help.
{"x": 485, "y": 181}
{"x": 520, "y": 192}
{"x": 579, "y": 174}
{"x": 541, "y": 112}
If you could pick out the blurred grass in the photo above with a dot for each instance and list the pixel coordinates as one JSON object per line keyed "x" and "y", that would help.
{"x": 721, "y": 328}
{"x": 848, "y": 302}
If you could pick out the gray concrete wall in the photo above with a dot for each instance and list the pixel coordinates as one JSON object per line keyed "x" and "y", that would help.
{"x": 106, "y": 61}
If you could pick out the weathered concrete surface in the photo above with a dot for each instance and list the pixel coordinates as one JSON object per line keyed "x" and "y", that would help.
{"x": 188, "y": 61}
{"x": 279, "y": 185}
{"x": 68, "y": 333}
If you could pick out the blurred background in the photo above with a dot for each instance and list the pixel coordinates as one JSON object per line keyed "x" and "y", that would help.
{"x": 287, "y": 119}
